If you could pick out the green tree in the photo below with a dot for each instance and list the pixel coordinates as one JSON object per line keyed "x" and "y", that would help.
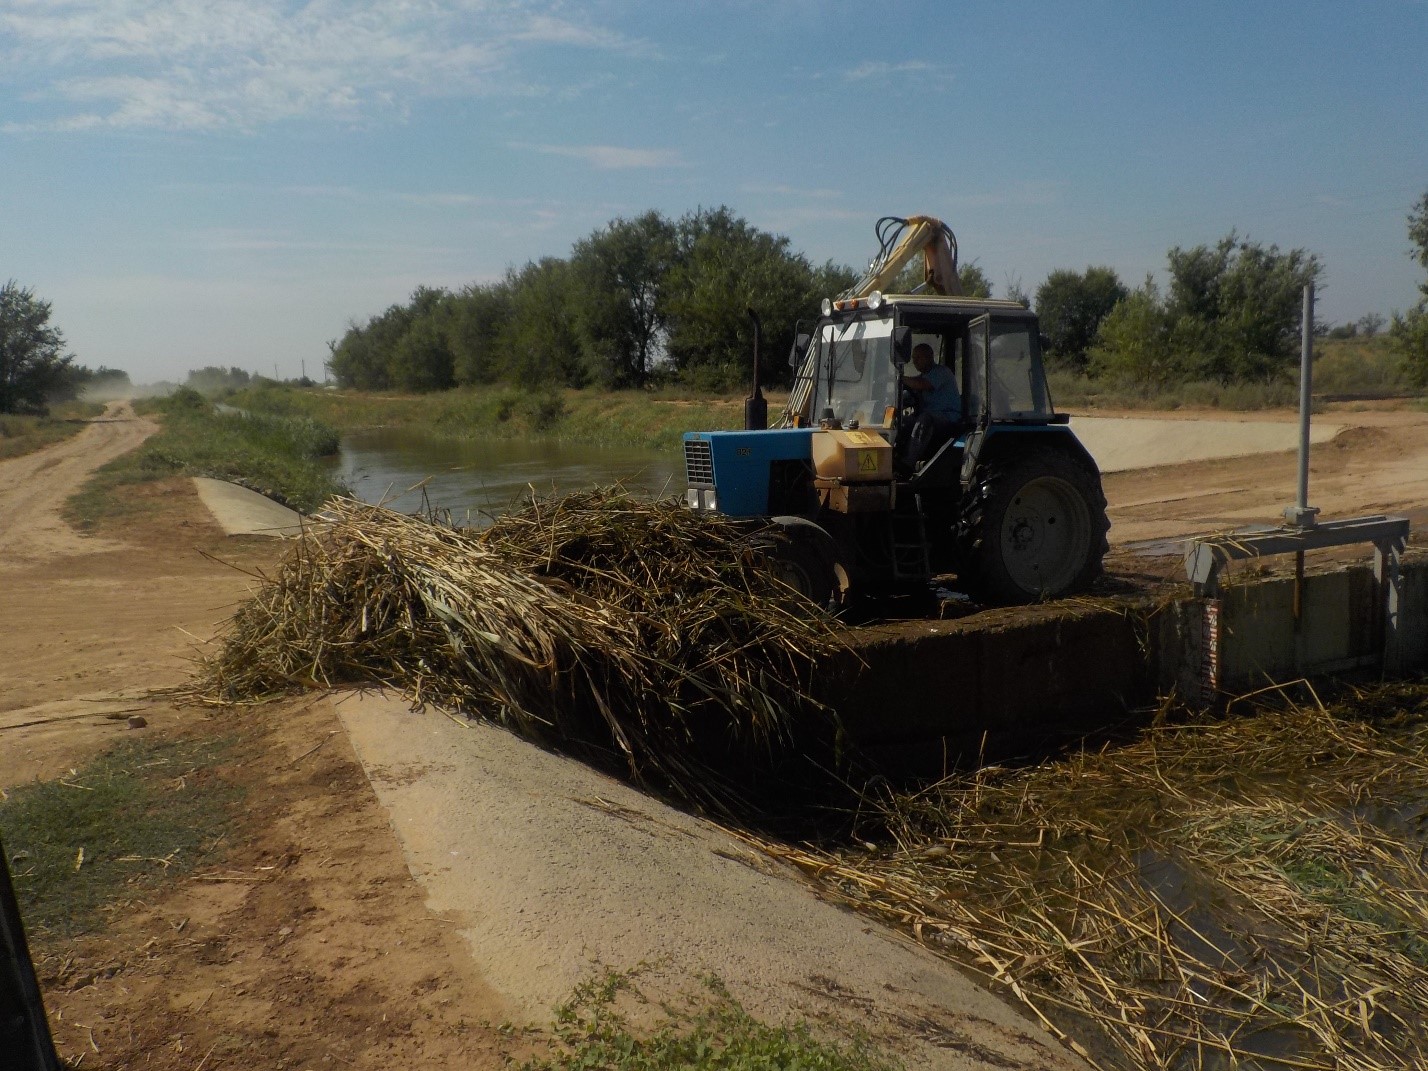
{"x": 211, "y": 379}
{"x": 974, "y": 280}
{"x": 1239, "y": 304}
{"x": 723, "y": 267}
{"x": 34, "y": 367}
{"x": 1418, "y": 235}
{"x": 406, "y": 346}
{"x": 1408, "y": 334}
{"x": 542, "y": 340}
{"x": 421, "y": 357}
{"x": 480, "y": 325}
{"x": 1369, "y": 324}
{"x": 362, "y": 357}
{"x": 101, "y": 383}
{"x": 831, "y": 278}
{"x": 1136, "y": 342}
{"x": 620, "y": 273}
{"x": 1071, "y": 305}
{"x": 1232, "y": 313}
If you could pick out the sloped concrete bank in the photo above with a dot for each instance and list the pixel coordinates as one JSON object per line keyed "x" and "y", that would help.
{"x": 943, "y": 693}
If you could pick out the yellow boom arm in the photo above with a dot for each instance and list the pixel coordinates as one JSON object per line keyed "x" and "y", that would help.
{"x": 899, "y": 241}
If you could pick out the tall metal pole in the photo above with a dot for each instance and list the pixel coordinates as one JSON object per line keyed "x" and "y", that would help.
{"x": 1301, "y": 513}
{"x": 1306, "y": 380}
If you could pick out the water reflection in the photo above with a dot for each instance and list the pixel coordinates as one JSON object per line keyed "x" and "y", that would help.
{"x": 475, "y": 479}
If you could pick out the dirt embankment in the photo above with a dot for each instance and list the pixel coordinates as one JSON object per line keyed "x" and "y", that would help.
{"x": 310, "y": 946}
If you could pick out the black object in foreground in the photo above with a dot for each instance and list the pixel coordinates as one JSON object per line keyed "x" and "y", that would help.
{"x": 24, "y": 1031}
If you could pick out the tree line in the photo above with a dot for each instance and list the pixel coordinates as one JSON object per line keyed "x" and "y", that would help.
{"x": 651, "y": 300}
{"x": 638, "y": 300}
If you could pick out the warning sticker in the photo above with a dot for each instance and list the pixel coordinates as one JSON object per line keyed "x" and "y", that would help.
{"x": 867, "y": 461}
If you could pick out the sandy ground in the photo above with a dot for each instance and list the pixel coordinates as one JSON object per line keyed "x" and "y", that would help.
{"x": 1377, "y": 464}
{"x": 314, "y": 945}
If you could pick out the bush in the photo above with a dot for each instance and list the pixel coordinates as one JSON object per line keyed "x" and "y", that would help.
{"x": 1409, "y": 338}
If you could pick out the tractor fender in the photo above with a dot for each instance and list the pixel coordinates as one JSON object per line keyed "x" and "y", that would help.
{"x": 994, "y": 443}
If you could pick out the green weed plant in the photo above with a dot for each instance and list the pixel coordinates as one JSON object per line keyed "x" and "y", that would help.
{"x": 136, "y": 815}
{"x": 713, "y": 1033}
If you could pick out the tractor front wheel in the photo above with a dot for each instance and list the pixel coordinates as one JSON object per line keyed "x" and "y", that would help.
{"x": 800, "y": 566}
{"x": 1033, "y": 527}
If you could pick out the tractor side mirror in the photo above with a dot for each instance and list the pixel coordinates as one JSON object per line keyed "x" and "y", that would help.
{"x": 901, "y": 346}
{"x": 799, "y": 348}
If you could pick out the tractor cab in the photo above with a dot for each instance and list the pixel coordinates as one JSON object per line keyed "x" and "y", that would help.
{"x": 860, "y": 354}
{"x": 919, "y": 442}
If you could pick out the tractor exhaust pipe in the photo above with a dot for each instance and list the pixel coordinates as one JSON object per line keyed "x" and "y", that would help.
{"x": 756, "y": 406}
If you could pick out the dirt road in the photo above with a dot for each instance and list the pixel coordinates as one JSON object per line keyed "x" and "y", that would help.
{"x": 1378, "y": 463}
{"x": 313, "y": 945}
{"x": 33, "y": 487}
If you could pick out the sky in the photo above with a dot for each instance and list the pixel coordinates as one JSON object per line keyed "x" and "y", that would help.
{"x": 234, "y": 182}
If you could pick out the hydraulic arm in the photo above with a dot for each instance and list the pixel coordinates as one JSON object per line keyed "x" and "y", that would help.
{"x": 899, "y": 240}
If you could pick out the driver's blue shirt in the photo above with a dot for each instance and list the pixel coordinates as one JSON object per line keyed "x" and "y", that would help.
{"x": 943, "y": 399}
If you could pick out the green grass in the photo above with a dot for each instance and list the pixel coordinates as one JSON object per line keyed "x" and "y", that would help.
{"x": 280, "y": 456}
{"x": 1072, "y": 390}
{"x": 1350, "y": 366}
{"x": 1357, "y": 366}
{"x": 138, "y": 814}
{"x": 713, "y": 1033}
{"x": 24, "y": 434}
{"x": 651, "y": 419}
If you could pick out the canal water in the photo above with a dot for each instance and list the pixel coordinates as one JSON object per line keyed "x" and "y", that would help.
{"x": 408, "y": 471}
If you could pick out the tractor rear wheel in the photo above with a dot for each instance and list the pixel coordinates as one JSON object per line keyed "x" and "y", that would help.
{"x": 1033, "y": 527}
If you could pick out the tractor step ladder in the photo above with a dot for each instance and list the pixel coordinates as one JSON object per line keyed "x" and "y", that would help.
{"x": 909, "y": 546}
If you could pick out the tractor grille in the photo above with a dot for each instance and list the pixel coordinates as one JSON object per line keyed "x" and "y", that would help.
{"x": 698, "y": 462}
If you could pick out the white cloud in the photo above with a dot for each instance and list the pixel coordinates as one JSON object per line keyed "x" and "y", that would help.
{"x": 614, "y": 157}
{"x": 214, "y": 64}
{"x": 883, "y": 71}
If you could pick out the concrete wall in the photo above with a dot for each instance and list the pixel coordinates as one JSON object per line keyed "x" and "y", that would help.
{"x": 933, "y": 694}
{"x": 1341, "y": 627}
{"x": 992, "y": 680}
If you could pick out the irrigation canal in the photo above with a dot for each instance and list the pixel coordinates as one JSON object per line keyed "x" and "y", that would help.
{"x": 1076, "y": 665}
{"x": 477, "y": 478}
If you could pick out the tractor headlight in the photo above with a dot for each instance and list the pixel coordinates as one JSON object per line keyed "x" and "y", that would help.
{"x": 691, "y": 498}
{"x": 875, "y": 300}
{"x": 827, "y": 307}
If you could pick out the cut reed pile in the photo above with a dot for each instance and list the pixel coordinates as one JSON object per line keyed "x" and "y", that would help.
{"x": 595, "y": 618}
{"x": 1246, "y": 894}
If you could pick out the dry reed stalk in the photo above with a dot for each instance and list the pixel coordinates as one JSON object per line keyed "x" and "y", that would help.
{"x": 596, "y": 618}
{"x": 1234, "y": 894}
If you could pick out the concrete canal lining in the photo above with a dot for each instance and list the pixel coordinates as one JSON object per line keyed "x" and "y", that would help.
{"x": 938, "y": 692}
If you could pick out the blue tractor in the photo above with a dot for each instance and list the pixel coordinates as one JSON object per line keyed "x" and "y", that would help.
{"x": 861, "y": 491}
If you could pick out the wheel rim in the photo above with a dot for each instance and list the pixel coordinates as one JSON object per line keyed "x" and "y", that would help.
{"x": 1045, "y": 536}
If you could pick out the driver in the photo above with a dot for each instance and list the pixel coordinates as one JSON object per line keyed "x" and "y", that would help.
{"x": 940, "y": 403}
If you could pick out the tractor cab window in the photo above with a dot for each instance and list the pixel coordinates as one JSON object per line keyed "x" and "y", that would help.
{"x": 856, "y": 376}
{"x": 1016, "y": 385}
{"x": 1004, "y": 370}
